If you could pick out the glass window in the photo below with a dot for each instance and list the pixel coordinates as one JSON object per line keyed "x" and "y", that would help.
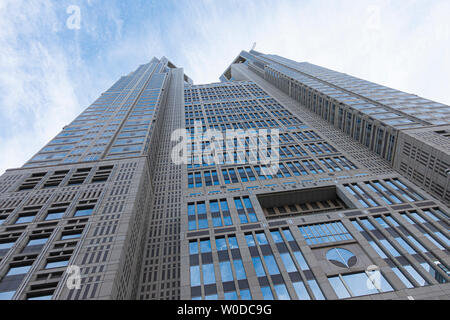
{"x": 271, "y": 264}
{"x": 209, "y": 276}
{"x": 390, "y": 248}
{"x": 25, "y": 219}
{"x": 359, "y": 284}
{"x": 287, "y": 233}
{"x": 221, "y": 244}
{"x": 250, "y": 240}
{"x": 239, "y": 268}
{"x": 195, "y": 276}
{"x": 233, "y": 242}
{"x": 246, "y": 295}
{"x": 6, "y": 245}
{"x": 37, "y": 242}
{"x": 301, "y": 260}
{"x": 261, "y": 237}
{"x": 259, "y": 269}
{"x": 71, "y": 236}
{"x": 282, "y": 292}
{"x": 193, "y": 247}
{"x": 377, "y": 249}
{"x": 54, "y": 215}
{"x": 83, "y": 212}
{"x": 276, "y": 236}
{"x": 402, "y": 277}
{"x": 301, "y": 291}
{"x": 18, "y": 270}
{"x": 231, "y": 295}
{"x": 421, "y": 281}
{"x": 57, "y": 264}
{"x": 339, "y": 287}
{"x": 205, "y": 246}
{"x": 267, "y": 293}
{"x": 7, "y": 295}
{"x": 316, "y": 289}
{"x": 47, "y": 297}
{"x": 225, "y": 271}
{"x": 288, "y": 262}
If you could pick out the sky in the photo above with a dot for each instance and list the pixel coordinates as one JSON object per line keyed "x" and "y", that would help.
{"x": 57, "y": 57}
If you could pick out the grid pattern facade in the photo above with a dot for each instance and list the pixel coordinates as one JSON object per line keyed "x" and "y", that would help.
{"x": 362, "y": 184}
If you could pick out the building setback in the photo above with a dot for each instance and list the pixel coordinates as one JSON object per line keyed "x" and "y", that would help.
{"x": 357, "y": 210}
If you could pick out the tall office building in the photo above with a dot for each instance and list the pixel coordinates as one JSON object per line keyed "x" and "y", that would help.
{"x": 357, "y": 207}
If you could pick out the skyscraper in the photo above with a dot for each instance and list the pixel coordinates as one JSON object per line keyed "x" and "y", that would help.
{"x": 356, "y": 207}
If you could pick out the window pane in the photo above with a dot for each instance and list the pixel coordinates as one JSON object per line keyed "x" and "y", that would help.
{"x": 259, "y": 269}
{"x": 231, "y": 295}
{"x": 301, "y": 291}
{"x": 246, "y": 295}
{"x": 240, "y": 271}
{"x": 267, "y": 293}
{"x": 195, "y": 276}
{"x": 18, "y": 270}
{"x": 339, "y": 288}
{"x": 288, "y": 262}
{"x": 7, "y": 295}
{"x": 205, "y": 246}
{"x": 193, "y": 247}
{"x": 271, "y": 264}
{"x": 402, "y": 277}
{"x": 359, "y": 284}
{"x": 225, "y": 270}
{"x": 209, "y": 276}
{"x": 301, "y": 260}
{"x": 282, "y": 292}
{"x": 316, "y": 290}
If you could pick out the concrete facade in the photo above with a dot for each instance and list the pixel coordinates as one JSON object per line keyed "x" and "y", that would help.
{"x": 347, "y": 199}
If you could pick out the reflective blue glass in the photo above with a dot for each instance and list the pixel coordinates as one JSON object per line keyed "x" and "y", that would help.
{"x": 271, "y": 264}
{"x": 359, "y": 284}
{"x": 402, "y": 277}
{"x": 239, "y": 268}
{"x": 195, "y": 276}
{"x": 276, "y": 236}
{"x": 316, "y": 289}
{"x": 250, "y": 240}
{"x": 221, "y": 244}
{"x": 267, "y": 293}
{"x": 301, "y": 260}
{"x": 193, "y": 247}
{"x": 288, "y": 262}
{"x": 259, "y": 269}
{"x": 225, "y": 271}
{"x": 36, "y": 242}
{"x": 18, "y": 270}
{"x": 339, "y": 287}
{"x": 261, "y": 237}
{"x": 205, "y": 246}
{"x": 209, "y": 276}
{"x": 246, "y": 295}
{"x": 231, "y": 295}
{"x": 233, "y": 242}
{"x": 7, "y": 295}
{"x": 282, "y": 292}
{"x": 301, "y": 291}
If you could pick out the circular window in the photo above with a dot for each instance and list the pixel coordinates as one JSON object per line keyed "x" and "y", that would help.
{"x": 341, "y": 257}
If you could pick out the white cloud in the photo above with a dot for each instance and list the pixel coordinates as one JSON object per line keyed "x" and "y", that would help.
{"x": 37, "y": 97}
